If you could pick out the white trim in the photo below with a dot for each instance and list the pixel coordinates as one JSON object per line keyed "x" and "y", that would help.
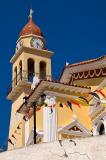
{"x": 85, "y": 131}
{"x": 50, "y": 124}
{"x": 26, "y": 131}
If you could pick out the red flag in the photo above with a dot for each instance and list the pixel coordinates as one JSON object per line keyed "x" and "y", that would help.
{"x": 76, "y": 103}
{"x": 13, "y": 136}
{"x": 69, "y": 105}
{"x": 100, "y": 91}
{"x": 9, "y": 140}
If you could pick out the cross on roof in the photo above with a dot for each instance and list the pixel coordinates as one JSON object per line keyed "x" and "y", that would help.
{"x": 31, "y": 13}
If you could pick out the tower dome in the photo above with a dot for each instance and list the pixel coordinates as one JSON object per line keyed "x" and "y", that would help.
{"x": 31, "y": 27}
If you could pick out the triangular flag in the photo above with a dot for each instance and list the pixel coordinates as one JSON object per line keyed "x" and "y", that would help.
{"x": 100, "y": 91}
{"x": 61, "y": 105}
{"x": 9, "y": 140}
{"x": 18, "y": 127}
{"x": 75, "y": 102}
{"x": 84, "y": 99}
{"x": 69, "y": 105}
{"x": 13, "y": 136}
{"x": 95, "y": 95}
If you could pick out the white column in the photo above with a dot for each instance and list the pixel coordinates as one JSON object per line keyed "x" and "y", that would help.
{"x": 46, "y": 124}
{"x": 95, "y": 132}
{"x": 26, "y": 131}
{"x": 50, "y": 123}
{"x": 53, "y": 130}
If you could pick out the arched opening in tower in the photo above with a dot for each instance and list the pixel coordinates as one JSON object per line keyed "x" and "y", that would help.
{"x": 42, "y": 70}
{"x": 15, "y": 76}
{"x": 20, "y": 69}
{"x": 30, "y": 70}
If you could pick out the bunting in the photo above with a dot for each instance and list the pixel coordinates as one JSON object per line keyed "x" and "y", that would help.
{"x": 13, "y": 136}
{"x": 101, "y": 92}
{"x": 70, "y": 105}
{"x": 61, "y": 105}
{"x": 95, "y": 95}
{"x": 75, "y": 102}
{"x": 18, "y": 127}
{"x": 9, "y": 140}
{"x": 84, "y": 99}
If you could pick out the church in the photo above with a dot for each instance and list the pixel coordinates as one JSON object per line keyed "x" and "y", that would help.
{"x": 72, "y": 106}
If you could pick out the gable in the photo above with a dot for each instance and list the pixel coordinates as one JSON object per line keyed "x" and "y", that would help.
{"x": 75, "y": 128}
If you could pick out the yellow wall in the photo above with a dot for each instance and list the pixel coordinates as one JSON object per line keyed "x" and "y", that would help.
{"x": 20, "y": 138}
{"x": 17, "y": 102}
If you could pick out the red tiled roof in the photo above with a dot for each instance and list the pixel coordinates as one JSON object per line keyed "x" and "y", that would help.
{"x": 86, "y": 62}
{"x": 31, "y": 28}
{"x": 81, "y": 63}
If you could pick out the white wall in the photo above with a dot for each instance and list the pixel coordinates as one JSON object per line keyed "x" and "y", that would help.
{"x": 92, "y": 148}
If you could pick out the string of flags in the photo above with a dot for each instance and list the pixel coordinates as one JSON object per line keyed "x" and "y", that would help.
{"x": 9, "y": 140}
{"x": 13, "y": 135}
{"x": 45, "y": 101}
{"x": 70, "y": 104}
{"x": 101, "y": 92}
{"x": 84, "y": 99}
{"x": 77, "y": 102}
{"x": 96, "y": 94}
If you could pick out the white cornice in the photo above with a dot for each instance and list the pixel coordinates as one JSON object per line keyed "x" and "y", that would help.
{"x": 19, "y": 52}
{"x": 30, "y": 35}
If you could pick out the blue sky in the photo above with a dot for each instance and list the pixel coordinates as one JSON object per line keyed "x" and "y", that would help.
{"x": 74, "y": 29}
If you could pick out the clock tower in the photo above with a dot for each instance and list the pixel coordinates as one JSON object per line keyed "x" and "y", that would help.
{"x": 31, "y": 58}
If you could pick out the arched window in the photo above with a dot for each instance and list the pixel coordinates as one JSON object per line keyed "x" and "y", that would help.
{"x": 30, "y": 70}
{"x": 101, "y": 128}
{"x": 42, "y": 70}
{"x": 15, "y": 76}
{"x": 20, "y": 69}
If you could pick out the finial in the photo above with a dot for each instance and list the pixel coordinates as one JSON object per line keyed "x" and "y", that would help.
{"x": 31, "y": 13}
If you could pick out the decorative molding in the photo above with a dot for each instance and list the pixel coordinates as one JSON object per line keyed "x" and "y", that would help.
{"x": 80, "y": 129}
{"x": 89, "y": 74}
{"x": 85, "y": 69}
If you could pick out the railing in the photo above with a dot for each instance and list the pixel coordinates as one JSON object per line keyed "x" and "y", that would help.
{"x": 27, "y": 77}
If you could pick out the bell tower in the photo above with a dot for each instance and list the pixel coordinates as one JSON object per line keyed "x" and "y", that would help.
{"x": 31, "y": 58}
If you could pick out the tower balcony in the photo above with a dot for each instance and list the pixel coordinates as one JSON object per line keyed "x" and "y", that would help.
{"x": 22, "y": 82}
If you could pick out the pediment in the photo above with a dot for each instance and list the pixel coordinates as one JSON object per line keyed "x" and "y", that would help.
{"x": 75, "y": 128}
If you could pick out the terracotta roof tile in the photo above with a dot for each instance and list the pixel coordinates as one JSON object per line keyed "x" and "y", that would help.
{"x": 86, "y": 62}
{"x": 31, "y": 28}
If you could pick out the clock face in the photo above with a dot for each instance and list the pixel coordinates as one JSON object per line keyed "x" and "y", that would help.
{"x": 18, "y": 46}
{"x": 37, "y": 43}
